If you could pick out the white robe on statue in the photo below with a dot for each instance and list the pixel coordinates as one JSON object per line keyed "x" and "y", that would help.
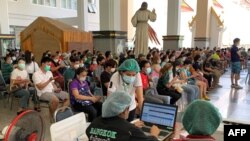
{"x": 140, "y": 21}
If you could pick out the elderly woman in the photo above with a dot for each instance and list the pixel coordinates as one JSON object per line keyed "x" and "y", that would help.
{"x": 201, "y": 127}
{"x": 128, "y": 79}
{"x": 115, "y": 111}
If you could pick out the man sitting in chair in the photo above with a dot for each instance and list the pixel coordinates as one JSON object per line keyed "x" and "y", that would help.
{"x": 46, "y": 89}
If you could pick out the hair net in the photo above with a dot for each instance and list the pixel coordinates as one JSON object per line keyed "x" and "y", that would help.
{"x": 129, "y": 65}
{"x": 201, "y": 118}
{"x": 115, "y": 104}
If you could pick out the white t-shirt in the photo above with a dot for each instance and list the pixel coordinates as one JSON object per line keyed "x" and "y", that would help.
{"x": 19, "y": 74}
{"x": 117, "y": 84}
{"x": 40, "y": 77}
{"x": 32, "y": 67}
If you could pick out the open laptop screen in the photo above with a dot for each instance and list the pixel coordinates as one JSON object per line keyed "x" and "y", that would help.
{"x": 158, "y": 114}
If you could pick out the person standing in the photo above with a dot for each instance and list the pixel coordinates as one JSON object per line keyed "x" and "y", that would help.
{"x": 128, "y": 79}
{"x": 235, "y": 60}
{"x": 139, "y": 20}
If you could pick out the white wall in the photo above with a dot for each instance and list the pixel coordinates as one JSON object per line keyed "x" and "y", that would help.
{"x": 23, "y": 12}
{"x": 93, "y": 19}
{"x": 4, "y": 20}
{"x": 214, "y": 32}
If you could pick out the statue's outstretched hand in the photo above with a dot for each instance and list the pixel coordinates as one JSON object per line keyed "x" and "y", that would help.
{"x": 153, "y": 10}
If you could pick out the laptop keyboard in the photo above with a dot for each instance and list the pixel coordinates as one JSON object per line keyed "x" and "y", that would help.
{"x": 147, "y": 130}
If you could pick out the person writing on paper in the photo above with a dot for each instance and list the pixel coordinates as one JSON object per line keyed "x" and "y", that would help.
{"x": 128, "y": 79}
{"x": 113, "y": 126}
{"x": 139, "y": 20}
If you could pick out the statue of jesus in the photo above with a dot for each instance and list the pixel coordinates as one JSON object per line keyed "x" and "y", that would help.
{"x": 140, "y": 21}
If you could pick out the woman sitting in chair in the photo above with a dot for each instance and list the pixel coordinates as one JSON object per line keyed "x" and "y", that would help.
{"x": 81, "y": 98}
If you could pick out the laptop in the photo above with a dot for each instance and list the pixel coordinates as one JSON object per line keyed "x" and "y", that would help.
{"x": 161, "y": 115}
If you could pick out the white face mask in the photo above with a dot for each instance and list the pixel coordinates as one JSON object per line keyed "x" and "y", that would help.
{"x": 56, "y": 60}
{"x": 94, "y": 62}
{"x": 81, "y": 65}
{"x": 13, "y": 58}
{"x": 184, "y": 58}
{"x": 113, "y": 70}
{"x": 76, "y": 66}
{"x": 82, "y": 79}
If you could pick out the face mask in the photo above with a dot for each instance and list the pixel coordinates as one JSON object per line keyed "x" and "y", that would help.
{"x": 76, "y": 66}
{"x": 81, "y": 65}
{"x": 112, "y": 70}
{"x": 159, "y": 61}
{"x": 85, "y": 59}
{"x": 94, "y": 62}
{"x": 163, "y": 64}
{"x": 56, "y": 60}
{"x": 82, "y": 79}
{"x": 47, "y": 68}
{"x": 184, "y": 58}
{"x": 170, "y": 71}
{"x": 167, "y": 60}
{"x": 148, "y": 71}
{"x": 13, "y": 58}
{"x": 21, "y": 66}
{"x": 128, "y": 79}
{"x": 11, "y": 61}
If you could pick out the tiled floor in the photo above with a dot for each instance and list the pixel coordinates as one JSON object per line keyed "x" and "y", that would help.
{"x": 233, "y": 104}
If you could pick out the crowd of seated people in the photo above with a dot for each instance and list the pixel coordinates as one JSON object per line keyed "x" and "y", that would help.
{"x": 69, "y": 77}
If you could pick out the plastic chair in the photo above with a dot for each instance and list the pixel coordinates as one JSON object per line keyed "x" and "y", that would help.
{"x": 61, "y": 115}
{"x": 248, "y": 72}
{"x": 6, "y": 89}
{"x": 3, "y": 89}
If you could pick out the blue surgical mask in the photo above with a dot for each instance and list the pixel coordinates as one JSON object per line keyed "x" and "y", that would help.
{"x": 128, "y": 79}
{"x": 148, "y": 71}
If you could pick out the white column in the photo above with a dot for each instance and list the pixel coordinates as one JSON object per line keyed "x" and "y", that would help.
{"x": 173, "y": 40}
{"x": 174, "y": 17}
{"x": 110, "y": 15}
{"x": 4, "y": 20}
{"x": 82, "y": 14}
{"x": 58, "y": 4}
